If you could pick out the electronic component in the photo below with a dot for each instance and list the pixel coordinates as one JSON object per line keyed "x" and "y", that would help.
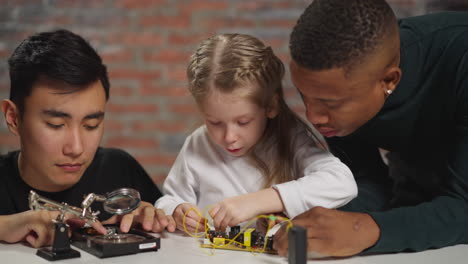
{"x": 248, "y": 240}
{"x": 61, "y": 246}
{"x": 114, "y": 243}
{"x": 118, "y": 202}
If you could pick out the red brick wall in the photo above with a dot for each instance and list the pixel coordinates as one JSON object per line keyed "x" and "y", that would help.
{"x": 146, "y": 44}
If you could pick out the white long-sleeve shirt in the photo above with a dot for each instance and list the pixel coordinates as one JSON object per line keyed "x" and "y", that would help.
{"x": 204, "y": 174}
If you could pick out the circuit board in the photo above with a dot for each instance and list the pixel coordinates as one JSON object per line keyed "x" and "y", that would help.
{"x": 250, "y": 240}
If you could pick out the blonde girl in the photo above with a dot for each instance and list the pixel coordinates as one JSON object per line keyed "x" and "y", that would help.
{"x": 254, "y": 155}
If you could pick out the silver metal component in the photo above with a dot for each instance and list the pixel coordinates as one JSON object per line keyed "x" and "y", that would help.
{"x": 37, "y": 202}
{"x": 88, "y": 200}
{"x": 120, "y": 201}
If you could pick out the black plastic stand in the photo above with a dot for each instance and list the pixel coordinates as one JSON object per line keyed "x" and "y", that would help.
{"x": 61, "y": 247}
{"x": 297, "y": 245}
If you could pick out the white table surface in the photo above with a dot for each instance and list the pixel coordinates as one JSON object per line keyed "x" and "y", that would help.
{"x": 177, "y": 248}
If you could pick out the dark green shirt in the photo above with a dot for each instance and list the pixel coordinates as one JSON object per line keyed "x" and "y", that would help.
{"x": 422, "y": 202}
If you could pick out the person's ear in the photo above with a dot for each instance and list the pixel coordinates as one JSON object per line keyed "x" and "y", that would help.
{"x": 11, "y": 114}
{"x": 391, "y": 79}
{"x": 273, "y": 108}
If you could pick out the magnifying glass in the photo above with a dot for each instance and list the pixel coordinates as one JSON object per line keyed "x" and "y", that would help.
{"x": 121, "y": 201}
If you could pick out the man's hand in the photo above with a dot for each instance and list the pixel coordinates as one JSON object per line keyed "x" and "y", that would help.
{"x": 194, "y": 221}
{"x": 333, "y": 233}
{"x": 264, "y": 224}
{"x": 36, "y": 227}
{"x": 150, "y": 218}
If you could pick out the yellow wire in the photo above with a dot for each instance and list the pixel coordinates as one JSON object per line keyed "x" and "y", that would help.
{"x": 196, "y": 228}
{"x": 198, "y": 223}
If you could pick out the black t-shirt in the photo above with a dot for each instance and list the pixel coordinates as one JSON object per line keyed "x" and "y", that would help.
{"x": 111, "y": 169}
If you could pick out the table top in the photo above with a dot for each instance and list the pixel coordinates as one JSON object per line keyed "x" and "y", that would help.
{"x": 178, "y": 248}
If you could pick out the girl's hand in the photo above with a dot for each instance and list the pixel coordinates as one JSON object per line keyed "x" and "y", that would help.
{"x": 194, "y": 221}
{"x": 235, "y": 210}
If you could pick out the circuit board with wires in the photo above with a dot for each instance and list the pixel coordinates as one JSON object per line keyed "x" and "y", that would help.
{"x": 249, "y": 240}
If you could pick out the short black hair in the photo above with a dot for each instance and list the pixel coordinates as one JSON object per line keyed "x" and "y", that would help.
{"x": 59, "y": 55}
{"x": 339, "y": 33}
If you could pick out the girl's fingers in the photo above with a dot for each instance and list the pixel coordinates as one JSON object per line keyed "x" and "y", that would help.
{"x": 218, "y": 219}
